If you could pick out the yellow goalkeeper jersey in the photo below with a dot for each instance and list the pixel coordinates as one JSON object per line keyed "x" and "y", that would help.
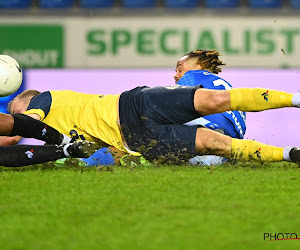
{"x": 81, "y": 116}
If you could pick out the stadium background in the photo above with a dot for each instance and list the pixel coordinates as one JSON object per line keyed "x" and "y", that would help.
{"x": 96, "y": 46}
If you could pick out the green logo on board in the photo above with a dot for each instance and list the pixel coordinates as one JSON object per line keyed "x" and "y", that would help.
{"x": 33, "y": 46}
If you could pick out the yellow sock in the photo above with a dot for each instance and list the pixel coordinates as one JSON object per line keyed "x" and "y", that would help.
{"x": 248, "y": 150}
{"x": 257, "y": 99}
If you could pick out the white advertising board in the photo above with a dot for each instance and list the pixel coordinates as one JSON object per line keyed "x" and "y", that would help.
{"x": 139, "y": 42}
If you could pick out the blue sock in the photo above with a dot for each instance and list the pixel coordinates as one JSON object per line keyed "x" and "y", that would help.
{"x": 101, "y": 157}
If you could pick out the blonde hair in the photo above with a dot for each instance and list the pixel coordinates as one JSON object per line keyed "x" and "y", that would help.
{"x": 25, "y": 96}
{"x": 207, "y": 59}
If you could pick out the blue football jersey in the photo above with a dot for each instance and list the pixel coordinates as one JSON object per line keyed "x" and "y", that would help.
{"x": 233, "y": 123}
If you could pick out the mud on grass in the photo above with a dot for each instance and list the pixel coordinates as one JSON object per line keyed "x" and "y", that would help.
{"x": 74, "y": 164}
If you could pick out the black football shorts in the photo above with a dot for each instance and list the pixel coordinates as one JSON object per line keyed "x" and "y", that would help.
{"x": 152, "y": 121}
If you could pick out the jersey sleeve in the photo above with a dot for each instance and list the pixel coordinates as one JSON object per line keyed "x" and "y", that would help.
{"x": 40, "y": 105}
{"x": 204, "y": 79}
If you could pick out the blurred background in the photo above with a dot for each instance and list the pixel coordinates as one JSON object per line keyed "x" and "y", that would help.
{"x": 108, "y": 46}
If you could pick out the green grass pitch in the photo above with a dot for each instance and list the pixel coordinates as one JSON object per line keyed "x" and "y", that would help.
{"x": 165, "y": 207}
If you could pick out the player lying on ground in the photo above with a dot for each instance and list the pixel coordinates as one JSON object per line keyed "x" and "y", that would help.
{"x": 202, "y": 67}
{"x": 151, "y": 121}
{"x": 231, "y": 123}
{"x": 22, "y": 155}
{"x": 63, "y": 110}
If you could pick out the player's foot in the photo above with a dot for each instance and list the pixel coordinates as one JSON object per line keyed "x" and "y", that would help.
{"x": 65, "y": 139}
{"x": 295, "y": 155}
{"x": 81, "y": 149}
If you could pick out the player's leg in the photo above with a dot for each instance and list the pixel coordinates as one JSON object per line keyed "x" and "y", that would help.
{"x": 25, "y": 126}
{"x": 211, "y": 142}
{"x": 244, "y": 99}
{"x": 23, "y": 155}
{"x": 208, "y": 160}
{"x": 6, "y": 124}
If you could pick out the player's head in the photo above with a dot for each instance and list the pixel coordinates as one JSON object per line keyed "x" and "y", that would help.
{"x": 20, "y": 103}
{"x": 198, "y": 59}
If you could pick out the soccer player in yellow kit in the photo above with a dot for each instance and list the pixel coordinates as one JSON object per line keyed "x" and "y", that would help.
{"x": 150, "y": 120}
{"x": 81, "y": 116}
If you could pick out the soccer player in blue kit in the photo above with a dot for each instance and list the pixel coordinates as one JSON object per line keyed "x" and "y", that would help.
{"x": 199, "y": 67}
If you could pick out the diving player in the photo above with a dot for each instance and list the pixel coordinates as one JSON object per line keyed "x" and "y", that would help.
{"x": 231, "y": 123}
{"x": 189, "y": 72}
{"x": 78, "y": 118}
{"x": 151, "y": 121}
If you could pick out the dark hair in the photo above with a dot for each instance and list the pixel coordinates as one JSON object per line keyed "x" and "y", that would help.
{"x": 207, "y": 59}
